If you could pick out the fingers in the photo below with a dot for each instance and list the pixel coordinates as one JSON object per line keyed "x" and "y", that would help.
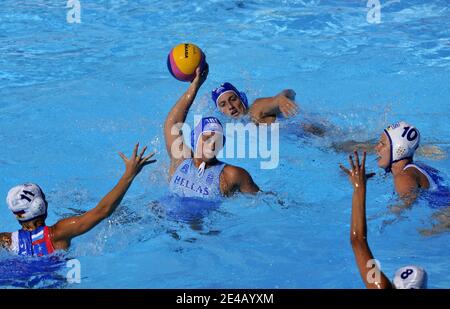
{"x": 363, "y": 162}
{"x": 202, "y": 71}
{"x": 148, "y": 162}
{"x": 148, "y": 157}
{"x": 135, "y": 150}
{"x": 145, "y": 161}
{"x": 291, "y": 104}
{"x": 123, "y": 157}
{"x": 142, "y": 152}
{"x": 344, "y": 169}
{"x": 289, "y": 109}
{"x": 356, "y": 159}
{"x": 350, "y": 160}
{"x": 292, "y": 110}
{"x": 285, "y": 113}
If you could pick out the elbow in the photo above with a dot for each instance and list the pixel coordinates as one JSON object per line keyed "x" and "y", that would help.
{"x": 167, "y": 125}
{"x": 102, "y": 214}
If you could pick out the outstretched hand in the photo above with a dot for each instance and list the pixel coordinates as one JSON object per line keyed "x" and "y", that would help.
{"x": 135, "y": 163}
{"x": 357, "y": 174}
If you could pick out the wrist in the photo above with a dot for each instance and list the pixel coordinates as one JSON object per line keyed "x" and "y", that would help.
{"x": 358, "y": 189}
{"x": 128, "y": 176}
{"x": 194, "y": 86}
{"x": 192, "y": 91}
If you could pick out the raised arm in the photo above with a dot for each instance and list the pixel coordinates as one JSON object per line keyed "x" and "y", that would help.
{"x": 372, "y": 276}
{"x": 265, "y": 110}
{"x": 66, "y": 229}
{"x": 177, "y": 116}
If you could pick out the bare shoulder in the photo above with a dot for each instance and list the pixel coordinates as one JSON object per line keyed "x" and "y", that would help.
{"x": 230, "y": 179}
{"x": 5, "y": 240}
{"x": 57, "y": 237}
{"x": 234, "y": 179}
{"x": 234, "y": 173}
{"x": 406, "y": 183}
{"x": 410, "y": 175}
{"x": 418, "y": 177}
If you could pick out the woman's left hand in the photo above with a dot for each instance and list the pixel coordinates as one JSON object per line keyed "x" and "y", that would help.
{"x": 357, "y": 174}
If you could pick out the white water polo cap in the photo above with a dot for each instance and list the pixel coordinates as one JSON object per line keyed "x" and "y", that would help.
{"x": 27, "y": 202}
{"x": 410, "y": 277}
{"x": 404, "y": 140}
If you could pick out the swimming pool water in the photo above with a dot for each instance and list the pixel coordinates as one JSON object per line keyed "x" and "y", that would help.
{"x": 72, "y": 95}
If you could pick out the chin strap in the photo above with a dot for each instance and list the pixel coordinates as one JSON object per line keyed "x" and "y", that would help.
{"x": 201, "y": 169}
{"x": 389, "y": 168}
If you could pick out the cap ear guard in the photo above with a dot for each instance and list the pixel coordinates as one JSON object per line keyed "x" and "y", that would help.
{"x": 404, "y": 139}
{"x": 27, "y": 202}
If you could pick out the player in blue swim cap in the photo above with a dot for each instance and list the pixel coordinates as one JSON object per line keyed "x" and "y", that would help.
{"x": 407, "y": 277}
{"x": 234, "y": 103}
{"x": 29, "y": 205}
{"x": 196, "y": 172}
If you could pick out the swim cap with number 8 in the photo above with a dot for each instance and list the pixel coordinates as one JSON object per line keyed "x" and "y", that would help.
{"x": 183, "y": 60}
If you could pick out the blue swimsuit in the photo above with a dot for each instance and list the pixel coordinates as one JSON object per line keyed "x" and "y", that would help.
{"x": 194, "y": 195}
{"x": 32, "y": 243}
{"x": 438, "y": 195}
{"x": 186, "y": 181}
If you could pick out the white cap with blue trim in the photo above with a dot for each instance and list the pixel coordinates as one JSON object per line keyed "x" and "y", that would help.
{"x": 404, "y": 140}
{"x": 27, "y": 202}
{"x": 410, "y": 277}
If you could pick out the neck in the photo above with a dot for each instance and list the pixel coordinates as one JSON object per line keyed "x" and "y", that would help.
{"x": 198, "y": 161}
{"x": 32, "y": 225}
{"x": 398, "y": 166}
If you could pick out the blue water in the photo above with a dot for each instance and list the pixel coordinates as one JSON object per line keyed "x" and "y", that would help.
{"x": 72, "y": 95}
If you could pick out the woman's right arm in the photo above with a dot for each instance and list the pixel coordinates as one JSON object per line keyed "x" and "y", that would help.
{"x": 177, "y": 116}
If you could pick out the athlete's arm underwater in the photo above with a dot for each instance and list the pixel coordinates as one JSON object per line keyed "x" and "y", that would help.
{"x": 358, "y": 230}
{"x": 29, "y": 205}
{"x": 196, "y": 172}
